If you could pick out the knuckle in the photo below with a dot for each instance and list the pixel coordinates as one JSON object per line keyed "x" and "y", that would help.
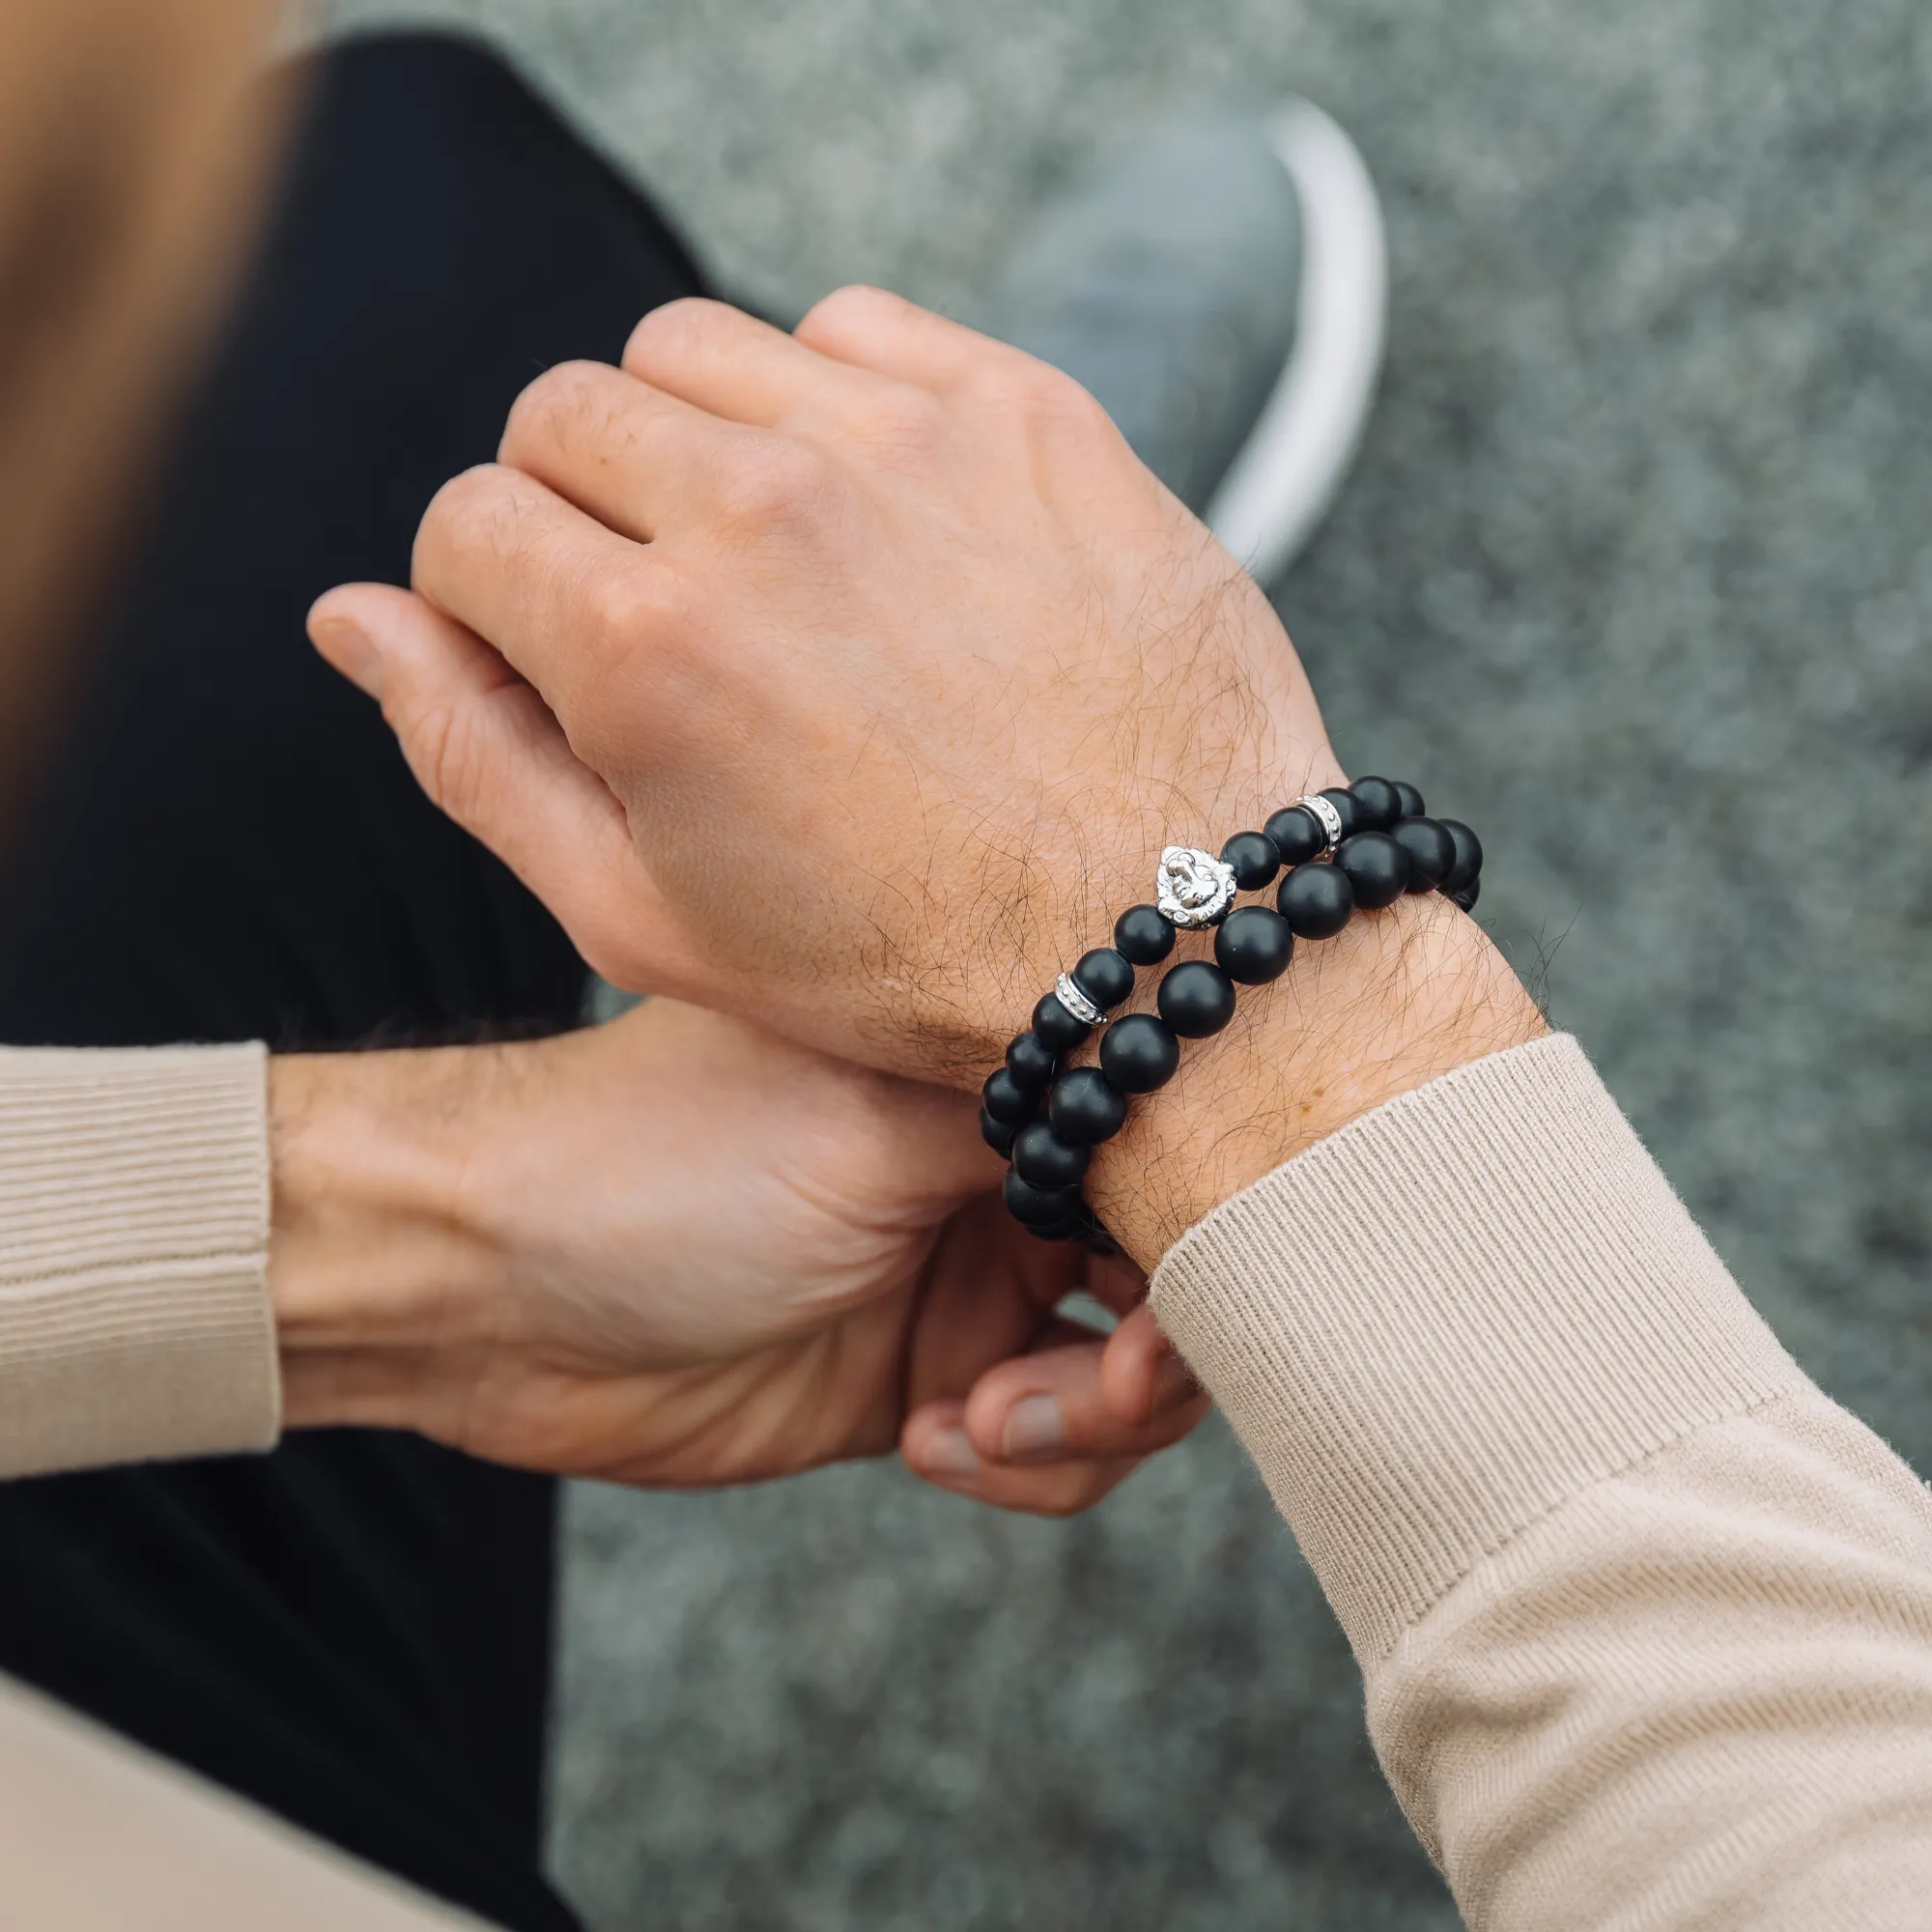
{"x": 441, "y": 749}
{"x": 463, "y": 512}
{"x": 781, "y": 486}
{"x": 553, "y": 409}
{"x": 673, "y": 331}
{"x": 857, "y": 309}
{"x": 1037, "y": 394}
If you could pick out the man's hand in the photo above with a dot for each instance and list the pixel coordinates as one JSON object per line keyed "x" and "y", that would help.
{"x": 854, "y": 679}
{"x": 677, "y": 1251}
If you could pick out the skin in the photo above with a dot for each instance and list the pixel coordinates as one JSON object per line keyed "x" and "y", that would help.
{"x": 855, "y": 679}
{"x": 677, "y": 1251}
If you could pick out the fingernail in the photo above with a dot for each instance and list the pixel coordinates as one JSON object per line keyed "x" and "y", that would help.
{"x": 1033, "y": 1429}
{"x": 1174, "y": 1384}
{"x": 347, "y": 646}
{"x": 947, "y": 1453}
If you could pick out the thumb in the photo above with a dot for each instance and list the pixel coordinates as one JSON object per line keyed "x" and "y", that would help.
{"x": 489, "y": 751}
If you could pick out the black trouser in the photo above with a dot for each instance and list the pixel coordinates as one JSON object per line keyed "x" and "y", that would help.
{"x": 354, "y": 1631}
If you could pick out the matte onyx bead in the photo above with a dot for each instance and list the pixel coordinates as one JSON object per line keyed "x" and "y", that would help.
{"x": 1038, "y": 1207}
{"x": 1315, "y": 900}
{"x": 999, "y": 1135}
{"x": 1254, "y": 946}
{"x": 1196, "y": 998}
{"x": 1139, "y": 1053}
{"x": 1085, "y": 1106}
{"x": 1375, "y": 865}
{"x": 1005, "y": 1099}
{"x": 1104, "y": 976}
{"x": 1143, "y": 935}
{"x": 1031, "y": 1063}
{"x": 1350, "y": 812}
{"x": 1430, "y": 852}
{"x": 1412, "y": 806}
{"x": 1468, "y": 854}
{"x": 1254, "y": 858}
{"x": 1468, "y": 896}
{"x": 1057, "y": 1027}
{"x": 1046, "y": 1160}
{"x": 1297, "y": 835}
{"x": 1379, "y": 803}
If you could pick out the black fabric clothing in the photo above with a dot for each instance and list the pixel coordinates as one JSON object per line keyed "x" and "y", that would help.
{"x": 354, "y": 1631}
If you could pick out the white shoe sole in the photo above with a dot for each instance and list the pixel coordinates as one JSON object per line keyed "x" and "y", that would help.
{"x": 1280, "y": 486}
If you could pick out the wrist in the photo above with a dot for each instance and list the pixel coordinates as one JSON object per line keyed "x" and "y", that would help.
{"x": 373, "y": 1262}
{"x": 1390, "y": 1004}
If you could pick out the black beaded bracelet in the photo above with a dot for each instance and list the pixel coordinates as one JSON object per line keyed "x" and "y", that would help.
{"x": 1346, "y": 850}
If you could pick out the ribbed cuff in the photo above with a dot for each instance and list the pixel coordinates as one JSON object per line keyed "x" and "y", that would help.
{"x": 134, "y": 1314}
{"x": 1435, "y": 1326}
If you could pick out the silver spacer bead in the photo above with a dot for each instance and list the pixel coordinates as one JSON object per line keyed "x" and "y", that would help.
{"x": 1193, "y": 888}
{"x": 1076, "y": 1002}
{"x": 1323, "y": 811}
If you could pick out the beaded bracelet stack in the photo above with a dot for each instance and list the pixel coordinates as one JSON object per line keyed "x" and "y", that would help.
{"x": 1346, "y": 850}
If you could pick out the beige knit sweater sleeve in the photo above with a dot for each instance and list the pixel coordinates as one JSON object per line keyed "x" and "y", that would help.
{"x": 134, "y": 1318}
{"x": 1646, "y": 1621}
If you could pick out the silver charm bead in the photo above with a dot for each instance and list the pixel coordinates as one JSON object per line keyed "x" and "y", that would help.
{"x": 1322, "y": 811}
{"x": 1076, "y": 1002}
{"x": 1194, "y": 888}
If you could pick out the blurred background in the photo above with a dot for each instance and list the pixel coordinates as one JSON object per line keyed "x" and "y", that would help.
{"x": 1635, "y": 575}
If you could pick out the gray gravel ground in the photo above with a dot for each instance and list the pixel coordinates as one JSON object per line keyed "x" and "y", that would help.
{"x": 1635, "y": 572}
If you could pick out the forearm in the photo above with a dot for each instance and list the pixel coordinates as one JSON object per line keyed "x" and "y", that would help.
{"x": 1635, "y": 1605}
{"x": 134, "y": 1232}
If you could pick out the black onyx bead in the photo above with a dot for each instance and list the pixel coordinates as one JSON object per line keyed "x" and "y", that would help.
{"x": 1046, "y": 1160}
{"x": 1005, "y": 1099}
{"x": 1315, "y": 900}
{"x": 1375, "y": 865}
{"x": 1295, "y": 835}
{"x": 998, "y": 1135}
{"x": 1085, "y": 1106}
{"x": 1057, "y": 1027}
{"x": 1412, "y": 806}
{"x": 1197, "y": 999}
{"x": 1468, "y": 854}
{"x": 1468, "y": 896}
{"x": 1430, "y": 852}
{"x": 1254, "y": 946}
{"x": 1139, "y": 1053}
{"x": 1104, "y": 976}
{"x": 1345, "y": 804}
{"x": 1038, "y": 1207}
{"x": 1254, "y": 858}
{"x": 1031, "y": 1063}
{"x": 1143, "y": 935}
{"x": 1380, "y": 802}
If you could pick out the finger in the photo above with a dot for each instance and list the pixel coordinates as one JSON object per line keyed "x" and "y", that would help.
{"x": 1050, "y": 1406}
{"x": 488, "y": 751}
{"x": 873, "y": 329}
{"x": 1140, "y": 1371}
{"x": 724, "y": 361}
{"x": 569, "y": 604}
{"x": 937, "y": 1449}
{"x": 630, "y": 455}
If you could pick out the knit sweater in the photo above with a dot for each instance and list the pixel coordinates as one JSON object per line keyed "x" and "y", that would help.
{"x": 1646, "y": 1621}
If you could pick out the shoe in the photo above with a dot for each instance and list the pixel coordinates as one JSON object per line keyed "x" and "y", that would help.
{"x": 1221, "y": 288}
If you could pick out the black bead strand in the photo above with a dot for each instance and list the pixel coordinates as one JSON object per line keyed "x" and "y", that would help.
{"x": 1315, "y": 900}
{"x": 1085, "y": 1106}
{"x": 1139, "y": 1053}
{"x": 1254, "y": 946}
{"x": 1375, "y": 865}
{"x": 1296, "y": 834}
{"x": 1254, "y": 859}
{"x": 1196, "y": 998}
{"x": 1143, "y": 935}
{"x": 1430, "y": 850}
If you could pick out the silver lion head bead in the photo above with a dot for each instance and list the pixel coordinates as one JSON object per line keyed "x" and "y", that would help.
{"x": 1194, "y": 888}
